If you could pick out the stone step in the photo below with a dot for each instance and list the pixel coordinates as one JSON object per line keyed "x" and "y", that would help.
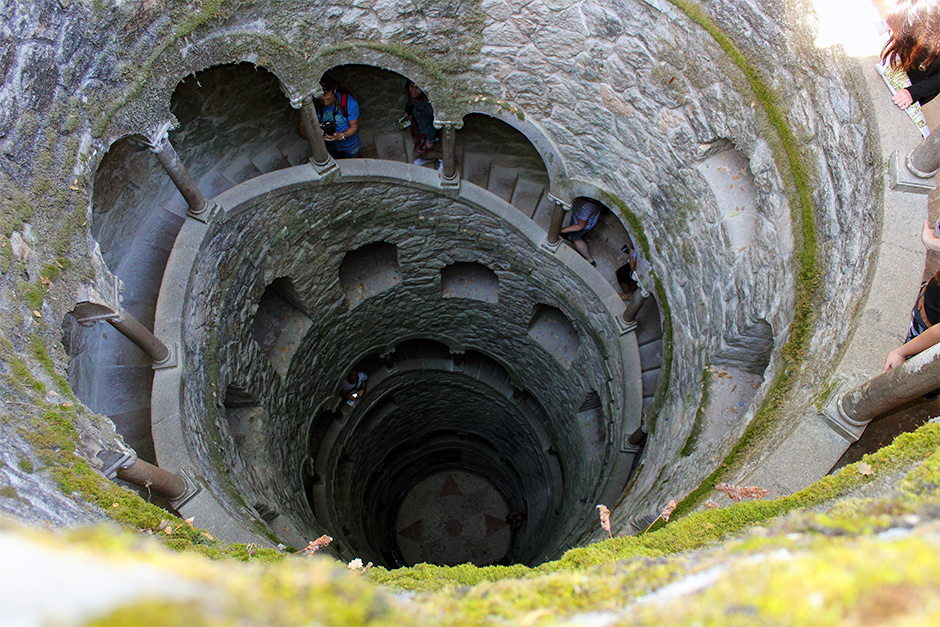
{"x": 212, "y": 183}
{"x": 240, "y": 169}
{"x": 647, "y": 323}
{"x": 476, "y": 168}
{"x": 502, "y": 181}
{"x": 651, "y": 355}
{"x": 650, "y": 379}
{"x": 268, "y": 160}
{"x": 296, "y": 150}
{"x": 528, "y": 192}
{"x": 543, "y": 212}
{"x": 391, "y": 147}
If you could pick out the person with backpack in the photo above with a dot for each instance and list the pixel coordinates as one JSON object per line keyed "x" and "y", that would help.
{"x": 338, "y": 113}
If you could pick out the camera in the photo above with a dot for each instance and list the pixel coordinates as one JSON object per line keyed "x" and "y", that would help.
{"x": 328, "y": 127}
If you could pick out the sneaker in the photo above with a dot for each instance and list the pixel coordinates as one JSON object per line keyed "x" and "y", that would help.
{"x": 420, "y": 161}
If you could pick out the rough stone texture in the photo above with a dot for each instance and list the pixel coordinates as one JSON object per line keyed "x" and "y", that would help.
{"x": 622, "y": 105}
{"x": 287, "y": 235}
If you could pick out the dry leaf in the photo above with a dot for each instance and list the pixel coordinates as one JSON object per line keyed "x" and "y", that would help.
{"x": 37, "y": 314}
{"x": 189, "y": 521}
{"x": 604, "y": 513}
{"x": 316, "y": 545}
{"x": 668, "y": 510}
{"x": 736, "y": 493}
{"x": 66, "y": 404}
{"x": 115, "y": 505}
{"x": 710, "y": 504}
{"x": 864, "y": 469}
{"x": 168, "y": 530}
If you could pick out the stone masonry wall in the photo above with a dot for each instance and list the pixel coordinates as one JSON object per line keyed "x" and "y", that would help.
{"x": 627, "y": 109}
{"x": 304, "y": 236}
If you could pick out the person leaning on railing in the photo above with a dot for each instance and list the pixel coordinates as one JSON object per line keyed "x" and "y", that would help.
{"x": 914, "y": 47}
{"x": 925, "y": 324}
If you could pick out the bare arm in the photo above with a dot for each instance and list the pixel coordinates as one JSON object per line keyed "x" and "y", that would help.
{"x": 577, "y": 226}
{"x": 919, "y": 344}
{"x": 929, "y": 238}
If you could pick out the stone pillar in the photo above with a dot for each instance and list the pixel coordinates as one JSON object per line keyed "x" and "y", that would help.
{"x": 127, "y": 325}
{"x": 558, "y": 218}
{"x": 449, "y": 148}
{"x": 322, "y": 162}
{"x": 633, "y": 307}
{"x": 166, "y": 154}
{"x": 919, "y": 168}
{"x": 850, "y": 413}
{"x": 127, "y": 467}
{"x": 131, "y": 328}
{"x": 924, "y": 161}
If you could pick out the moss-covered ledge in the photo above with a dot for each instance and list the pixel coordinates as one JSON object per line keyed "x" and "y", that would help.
{"x": 836, "y": 558}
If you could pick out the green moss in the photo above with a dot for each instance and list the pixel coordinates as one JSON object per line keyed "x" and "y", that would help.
{"x": 162, "y": 612}
{"x": 17, "y": 209}
{"x": 6, "y": 253}
{"x": 25, "y": 465}
{"x": 783, "y": 144}
{"x": 23, "y": 376}
{"x": 823, "y": 397}
{"x": 9, "y": 492}
{"x": 32, "y": 294}
{"x": 699, "y": 422}
{"x": 53, "y": 270}
{"x": 39, "y": 351}
{"x": 189, "y": 21}
{"x": 430, "y": 69}
{"x": 701, "y": 528}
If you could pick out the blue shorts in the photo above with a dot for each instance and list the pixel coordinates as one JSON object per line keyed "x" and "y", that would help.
{"x": 350, "y": 152}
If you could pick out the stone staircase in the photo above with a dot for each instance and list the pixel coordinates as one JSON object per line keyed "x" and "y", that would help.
{"x": 126, "y": 372}
{"x": 524, "y": 188}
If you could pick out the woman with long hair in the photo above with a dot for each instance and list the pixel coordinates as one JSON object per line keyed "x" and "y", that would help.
{"x": 914, "y": 46}
{"x": 418, "y": 109}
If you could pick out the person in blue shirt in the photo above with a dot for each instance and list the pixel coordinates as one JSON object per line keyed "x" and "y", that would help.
{"x": 584, "y": 216}
{"x": 338, "y": 112}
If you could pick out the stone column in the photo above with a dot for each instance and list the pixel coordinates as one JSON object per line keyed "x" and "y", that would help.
{"x": 633, "y": 307}
{"x": 322, "y": 162}
{"x": 131, "y": 328}
{"x": 127, "y": 325}
{"x": 127, "y": 467}
{"x": 166, "y": 154}
{"x": 449, "y": 148}
{"x": 924, "y": 161}
{"x": 919, "y": 168}
{"x": 558, "y": 218}
{"x": 850, "y": 413}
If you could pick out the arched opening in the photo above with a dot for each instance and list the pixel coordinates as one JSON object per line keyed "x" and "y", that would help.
{"x": 234, "y": 124}
{"x": 368, "y": 271}
{"x": 470, "y": 280}
{"x": 280, "y": 323}
{"x": 553, "y": 331}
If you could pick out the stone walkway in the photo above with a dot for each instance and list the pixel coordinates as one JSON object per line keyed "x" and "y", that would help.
{"x": 813, "y": 448}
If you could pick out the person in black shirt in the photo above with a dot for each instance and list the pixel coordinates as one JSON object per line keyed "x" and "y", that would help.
{"x": 914, "y": 46}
